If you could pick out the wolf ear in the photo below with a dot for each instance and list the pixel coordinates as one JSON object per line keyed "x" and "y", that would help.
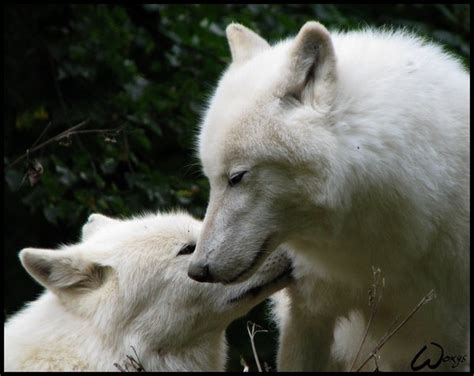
{"x": 313, "y": 75}
{"x": 244, "y": 43}
{"x": 62, "y": 271}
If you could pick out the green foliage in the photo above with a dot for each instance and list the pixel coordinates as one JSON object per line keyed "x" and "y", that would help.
{"x": 145, "y": 72}
{"x": 141, "y": 76}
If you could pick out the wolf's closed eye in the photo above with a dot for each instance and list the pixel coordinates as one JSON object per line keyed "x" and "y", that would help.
{"x": 236, "y": 178}
{"x": 187, "y": 249}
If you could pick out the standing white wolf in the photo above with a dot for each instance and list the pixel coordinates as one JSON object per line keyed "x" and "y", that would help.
{"x": 124, "y": 285}
{"x": 352, "y": 148}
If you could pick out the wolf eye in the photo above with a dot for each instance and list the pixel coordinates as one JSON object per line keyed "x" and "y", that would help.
{"x": 236, "y": 178}
{"x": 187, "y": 249}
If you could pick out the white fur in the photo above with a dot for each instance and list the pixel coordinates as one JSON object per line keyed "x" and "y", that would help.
{"x": 356, "y": 147}
{"x": 125, "y": 285}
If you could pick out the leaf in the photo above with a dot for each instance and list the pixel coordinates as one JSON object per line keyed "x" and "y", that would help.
{"x": 66, "y": 176}
{"x": 51, "y": 213}
{"x": 109, "y": 165}
{"x": 14, "y": 179}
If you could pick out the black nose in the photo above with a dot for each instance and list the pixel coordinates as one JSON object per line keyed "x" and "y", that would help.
{"x": 199, "y": 271}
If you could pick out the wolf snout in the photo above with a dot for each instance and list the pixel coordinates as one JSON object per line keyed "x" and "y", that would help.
{"x": 199, "y": 271}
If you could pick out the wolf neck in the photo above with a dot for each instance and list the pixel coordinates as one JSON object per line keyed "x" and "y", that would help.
{"x": 63, "y": 341}
{"x": 363, "y": 236}
{"x": 53, "y": 339}
{"x": 208, "y": 354}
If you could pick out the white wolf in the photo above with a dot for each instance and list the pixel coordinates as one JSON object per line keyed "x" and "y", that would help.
{"x": 353, "y": 149}
{"x": 124, "y": 285}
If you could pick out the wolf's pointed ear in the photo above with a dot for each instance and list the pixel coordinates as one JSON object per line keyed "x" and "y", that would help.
{"x": 313, "y": 75}
{"x": 244, "y": 43}
{"x": 62, "y": 270}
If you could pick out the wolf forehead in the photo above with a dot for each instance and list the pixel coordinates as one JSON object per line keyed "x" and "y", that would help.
{"x": 244, "y": 134}
{"x": 253, "y": 115}
{"x": 174, "y": 227}
{"x": 243, "y": 92}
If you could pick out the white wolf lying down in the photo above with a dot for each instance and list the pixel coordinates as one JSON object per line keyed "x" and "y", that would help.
{"x": 353, "y": 149}
{"x": 123, "y": 285}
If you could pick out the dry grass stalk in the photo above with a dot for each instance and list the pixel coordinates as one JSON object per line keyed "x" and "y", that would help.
{"x": 390, "y": 333}
{"x": 375, "y": 296}
{"x": 252, "y": 332}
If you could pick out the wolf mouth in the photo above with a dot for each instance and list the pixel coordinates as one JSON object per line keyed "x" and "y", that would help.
{"x": 256, "y": 259}
{"x": 256, "y": 290}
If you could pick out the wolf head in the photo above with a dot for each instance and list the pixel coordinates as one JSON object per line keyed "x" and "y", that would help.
{"x": 128, "y": 278}
{"x": 263, "y": 145}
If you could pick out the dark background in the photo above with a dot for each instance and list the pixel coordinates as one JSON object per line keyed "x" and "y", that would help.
{"x": 139, "y": 76}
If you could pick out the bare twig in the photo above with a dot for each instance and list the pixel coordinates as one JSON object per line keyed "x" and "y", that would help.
{"x": 393, "y": 324}
{"x": 108, "y": 130}
{"x": 58, "y": 137}
{"x": 42, "y": 134}
{"x": 374, "y": 301}
{"x": 252, "y": 332}
{"x": 427, "y": 298}
{"x": 65, "y": 135}
{"x": 375, "y": 356}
